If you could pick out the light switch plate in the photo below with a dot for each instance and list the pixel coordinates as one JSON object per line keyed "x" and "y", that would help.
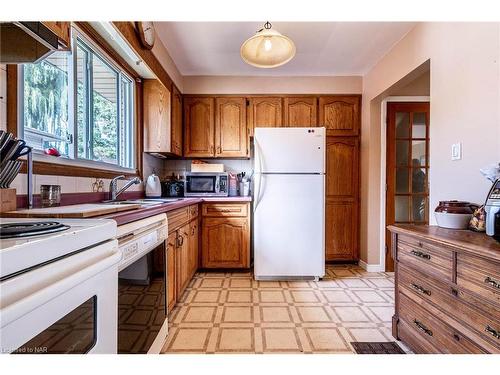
{"x": 456, "y": 151}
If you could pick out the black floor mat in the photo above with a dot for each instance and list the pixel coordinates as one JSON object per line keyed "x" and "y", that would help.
{"x": 377, "y": 348}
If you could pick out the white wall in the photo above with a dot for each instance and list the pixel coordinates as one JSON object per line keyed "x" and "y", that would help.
{"x": 465, "y": 95}
{"x": 3, "y": 97}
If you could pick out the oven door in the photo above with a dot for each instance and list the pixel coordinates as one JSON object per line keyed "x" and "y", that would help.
{"x": 201, "y": 185}
{"x": 68, "y": 306}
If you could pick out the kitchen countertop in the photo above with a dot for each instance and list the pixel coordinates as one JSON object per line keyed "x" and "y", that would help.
{"x": 126, "y": 217}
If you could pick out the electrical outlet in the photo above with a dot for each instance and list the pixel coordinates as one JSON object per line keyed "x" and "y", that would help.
{"x": 456, "y": 151}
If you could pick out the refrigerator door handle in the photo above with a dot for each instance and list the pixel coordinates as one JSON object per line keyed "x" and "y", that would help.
{"x": 258, "y": 182}
{"x": 258, "y": 152}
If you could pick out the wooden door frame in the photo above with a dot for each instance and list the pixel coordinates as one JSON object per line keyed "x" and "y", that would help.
{"x": 383, "y": 169}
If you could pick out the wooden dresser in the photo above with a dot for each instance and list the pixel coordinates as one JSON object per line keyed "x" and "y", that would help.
{"x": 447, "y": 292}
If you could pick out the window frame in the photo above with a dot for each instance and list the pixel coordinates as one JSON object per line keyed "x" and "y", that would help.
{"x": 48, "y": 165}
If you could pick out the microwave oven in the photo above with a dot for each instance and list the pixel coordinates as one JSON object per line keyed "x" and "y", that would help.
{"x": 206, "y": 184}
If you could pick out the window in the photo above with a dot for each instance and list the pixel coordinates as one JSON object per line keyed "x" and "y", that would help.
{"x": 81, "y": 103}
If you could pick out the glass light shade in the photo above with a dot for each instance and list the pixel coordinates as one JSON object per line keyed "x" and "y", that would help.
{"x": 267, "y": 49}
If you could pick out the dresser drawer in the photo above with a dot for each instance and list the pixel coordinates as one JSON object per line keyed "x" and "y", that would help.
{"x": 225, "y": 209}
{"x": 417, "y": 343}
{"x": 426, "y": 258}
{"x": 479, "y": 276}
{"x": 419, "y": 288}
{"x": 193, "y": 212}
{"x": 427, "y": 327}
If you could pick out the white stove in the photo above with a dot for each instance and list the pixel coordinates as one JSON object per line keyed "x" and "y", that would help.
{"x": 58, "y": 279}
{"x": 21, "y": 250}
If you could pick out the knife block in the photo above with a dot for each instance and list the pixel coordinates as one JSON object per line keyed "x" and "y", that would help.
{"x": 8, "y": 200}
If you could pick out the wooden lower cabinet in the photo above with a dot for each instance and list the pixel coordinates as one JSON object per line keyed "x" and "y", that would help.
{"x": 182, "y": 251}
{"x": 171, "y": 287}
{"x": 341, "y": 230}
{"x": 182, "y": 266}
{"x": 225, "y": 236}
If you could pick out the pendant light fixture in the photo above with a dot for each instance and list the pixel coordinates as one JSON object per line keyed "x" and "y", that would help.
{"x": 268, "y": 48}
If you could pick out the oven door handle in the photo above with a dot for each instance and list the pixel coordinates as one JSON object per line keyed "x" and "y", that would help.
{"x": 30, "y": 302}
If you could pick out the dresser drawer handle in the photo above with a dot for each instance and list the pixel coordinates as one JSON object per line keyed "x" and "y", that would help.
{"x": 421, "y": 327}
{"x": 421, "y": 254}
{"x": 493, "y": 283}
{"x": 420, "y": 289}
{"x": 492, "y": 332}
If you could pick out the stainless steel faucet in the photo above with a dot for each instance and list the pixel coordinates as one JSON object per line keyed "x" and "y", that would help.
{"x": 114, "y": 193}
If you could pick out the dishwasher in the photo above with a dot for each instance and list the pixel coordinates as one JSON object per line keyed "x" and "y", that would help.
{"x": 142, "y": 286}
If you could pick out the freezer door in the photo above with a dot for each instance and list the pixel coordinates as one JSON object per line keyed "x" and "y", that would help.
{"x": 289, "y": 150}
{"x": 289, "y": 226}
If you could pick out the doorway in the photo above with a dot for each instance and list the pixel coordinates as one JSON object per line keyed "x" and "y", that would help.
{"x": 407, "y": 167}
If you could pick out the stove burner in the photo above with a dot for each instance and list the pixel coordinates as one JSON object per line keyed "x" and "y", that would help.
{"x": 20, "y": 230}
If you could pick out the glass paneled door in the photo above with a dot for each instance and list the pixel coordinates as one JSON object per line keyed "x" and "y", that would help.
{"x": 407, "y": 167}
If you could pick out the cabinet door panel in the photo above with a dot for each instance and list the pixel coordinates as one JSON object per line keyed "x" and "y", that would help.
{"x": 230, "y": 127}
{"x": 225, "y": 243}
{"x": 193, "y": 248}
{"x": 340, "y": 114}
{"x": 341, "y": 229}
{"x": 301, "y": 112}
{"x": 176, "y": 122}
{"x": 182, "y": 260}
{"x": 171, "y": 287}
{"x": 156, "y": 99}
{"x": 264, "y": 112}
{"x": 199, "y": 127}
{"x": 342, "y": 167}
{"x": 342, "y": 198}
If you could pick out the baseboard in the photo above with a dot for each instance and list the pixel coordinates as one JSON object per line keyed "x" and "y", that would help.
{"x": 372, "y": 267}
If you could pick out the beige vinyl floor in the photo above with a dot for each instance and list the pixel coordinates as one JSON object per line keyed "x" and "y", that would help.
{"x": 233, "y": 313}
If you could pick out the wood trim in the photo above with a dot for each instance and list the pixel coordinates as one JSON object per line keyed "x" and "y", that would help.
{"x": 280, "y": 95}
{"x": 12, "y": 99}
{"x": 128, "y": 31}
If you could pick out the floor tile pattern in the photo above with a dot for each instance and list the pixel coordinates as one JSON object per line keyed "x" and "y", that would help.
{"x": 232, "y": 313}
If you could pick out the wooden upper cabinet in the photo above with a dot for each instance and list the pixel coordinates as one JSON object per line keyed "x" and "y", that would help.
{"x": 156, "y": 99}
{"x": 342, "y": 167}
{"x": 176, "y": 121}
{"x": 340, "y": 114}
{"x": 199, "y": 127}
{"x": 62, "y": 30}
{"x": 301, "y": 112}
{"x": 231, "y": 138}
{"x": 264, "y": 112}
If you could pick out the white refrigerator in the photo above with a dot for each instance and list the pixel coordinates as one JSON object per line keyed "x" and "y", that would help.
{"x": 289, "y": 203}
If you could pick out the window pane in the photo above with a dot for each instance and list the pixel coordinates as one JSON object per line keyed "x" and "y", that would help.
{"x": 82, "y": 58}
{"x": 402, "y": 210}
{"x": 402, "y": 180}
{"x": 46, "y": 103}
{"x": 402, "y": 152}
{"x": 418, "y": 153}
{"x": 104, "y": 112}
{"x": 419, "y": 128}
{"x": 402, "y": 124}
{"x": 419, "y": 203}
{"x": 418, "y": 180}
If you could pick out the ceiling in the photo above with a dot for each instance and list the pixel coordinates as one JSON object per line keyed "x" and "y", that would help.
{"x": 323, "y": 48}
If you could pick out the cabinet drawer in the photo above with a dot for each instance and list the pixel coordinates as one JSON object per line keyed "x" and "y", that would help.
{"x": 431, "y": 329}
{"x": 419, "y": 288}
{"x": 479, "y": 276}
{"x": 425, "y": 257}
{"x": 416, "y": 343}
{"x": 177, "y": 218}
{"x": 193, "y": 212}
{"x": 225, "y": 209}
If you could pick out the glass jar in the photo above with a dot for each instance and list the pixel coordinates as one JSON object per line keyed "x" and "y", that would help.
{"x": 50, "y": 195}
